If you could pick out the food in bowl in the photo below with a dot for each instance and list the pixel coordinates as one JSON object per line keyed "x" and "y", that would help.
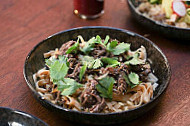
{"x": 96, "y": 76}
{"x": 172, "y": 12}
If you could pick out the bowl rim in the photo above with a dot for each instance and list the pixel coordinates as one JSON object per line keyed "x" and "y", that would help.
{"x": 154, "y": 21}
{"x": 23, "y": 114}
{"x": 97, "y": 27}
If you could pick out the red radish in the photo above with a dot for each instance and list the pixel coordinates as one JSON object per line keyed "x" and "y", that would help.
{"x": 179, "y": 8}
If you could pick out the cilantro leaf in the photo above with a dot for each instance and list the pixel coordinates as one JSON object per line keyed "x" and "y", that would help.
{"x": 110, "y": 61}
{"x": 121, "y": 48}
{"x": 73, "y": 48}
{"x": 50, "y": 61}
{"x": 116, "y": 48}
{"x": 105, "y": 82}
{"x": 103, "y": 91}
{"x": 106, "y": 40}
{"x": 82, "y": 72}
{"x": 135, "y": 60}
{"x": 98, "y": 39}
{"x": 89, "y": 46}
{"x": 58, "y": 68}
{"x": 87, "y": 60}
{"x": 134, "y": 78}
{"x": 97, "y": 63}
{"x": 68, "y": 86}
{"x": 90, "y": 62}
{"x": 105, "y": 87}
{"x": 110, "y": 46}
{"x": 63, "y": 59}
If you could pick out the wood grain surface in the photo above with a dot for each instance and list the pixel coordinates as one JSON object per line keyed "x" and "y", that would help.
{"x": 24, "y": 23}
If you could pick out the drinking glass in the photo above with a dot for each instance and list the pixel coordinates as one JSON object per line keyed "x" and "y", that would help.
{"x": 89, "y": 9}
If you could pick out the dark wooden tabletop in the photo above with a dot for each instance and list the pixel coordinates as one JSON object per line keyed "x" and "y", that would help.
{"x": 24, "y": 23}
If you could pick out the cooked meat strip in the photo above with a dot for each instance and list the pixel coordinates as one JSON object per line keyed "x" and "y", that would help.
{"x": 87, "y": 100}
{"x": 124, "y": 68}
{"x": 98, "y": 98}
{"x": 98, "y": 107}
{"x": 111, "y": 70}
{"x": 95, "y": 71}
{"x": 98, "y": 51}
{"x": 72, "y": 62}
{"x": 114, "y": 70}
{"x": 76, "y": 71}
{"x": 90, "y": 96}
{"x": 92, "y": 100}
{"x": 93, "y": 84}
{"x": 142, "y": 70}
{"x": 144, "y": 74}
{"x": 65, "y": 47}
{"x": 58, "y": 96}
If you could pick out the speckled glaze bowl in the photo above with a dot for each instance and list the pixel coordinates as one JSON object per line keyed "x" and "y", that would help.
{"x": 11, "y": 117}
{"x": 35, "y": 61}
{"x": 164, "y": 29}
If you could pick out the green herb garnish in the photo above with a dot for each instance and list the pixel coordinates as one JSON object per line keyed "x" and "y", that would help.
{"x": 90, "y": 62}
{"x": 50, "y": 61}
{"x": 112, "y": 62}
{"x": 73, "y": 48}
{"x": 58, "y": 68}
{"x": 106, "y": 40}
{"x": 58, "y": 71}
{"x": 97, "y": 63}
{"x": 89, "y": 46}
{"x": 82, "y": 71}
{"x": 121, "y": 48}
{"x": 116, "y": 48}
{"x": 155, "y": 1}
{"x": 110, "y": 46}
{"x": 98, "y": 40}
{"x": 105, "y": 87}
{"x": 132, "y": 79}
{"x": 135, "y": 60}
{"x": 68, "y": 86}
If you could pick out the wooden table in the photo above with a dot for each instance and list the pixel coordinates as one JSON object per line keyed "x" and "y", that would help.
{"x": 23, "y": 23}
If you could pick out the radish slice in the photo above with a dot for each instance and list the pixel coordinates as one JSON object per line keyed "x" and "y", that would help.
{"x": 179, "y": 8}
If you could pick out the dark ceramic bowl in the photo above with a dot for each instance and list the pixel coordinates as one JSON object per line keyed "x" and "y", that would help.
{"x": 165, "y": 29}
{"x": 35, "y": 61}
{"x": 10, "y": 117}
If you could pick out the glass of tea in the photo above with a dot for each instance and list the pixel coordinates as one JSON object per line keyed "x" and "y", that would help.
{"x": 89, "y": 9}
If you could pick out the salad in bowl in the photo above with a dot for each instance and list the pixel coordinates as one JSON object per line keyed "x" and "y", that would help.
{"x": 171, "y": 12}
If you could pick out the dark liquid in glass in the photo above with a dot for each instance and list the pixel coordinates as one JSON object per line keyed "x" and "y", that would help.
{"x": 88, "y": 8}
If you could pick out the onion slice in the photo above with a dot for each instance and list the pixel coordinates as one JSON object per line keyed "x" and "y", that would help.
{"x": 179, "y": 8}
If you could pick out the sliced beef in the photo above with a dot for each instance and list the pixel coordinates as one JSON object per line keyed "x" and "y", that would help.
{"x": 75, "y": 72}
{"x": 91, "y": 99}
{"x": 142, "y": 70}
{"x": 65, "y": 47}
{"x": 98, "y": 51}
{"x": 98, "y": 107}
